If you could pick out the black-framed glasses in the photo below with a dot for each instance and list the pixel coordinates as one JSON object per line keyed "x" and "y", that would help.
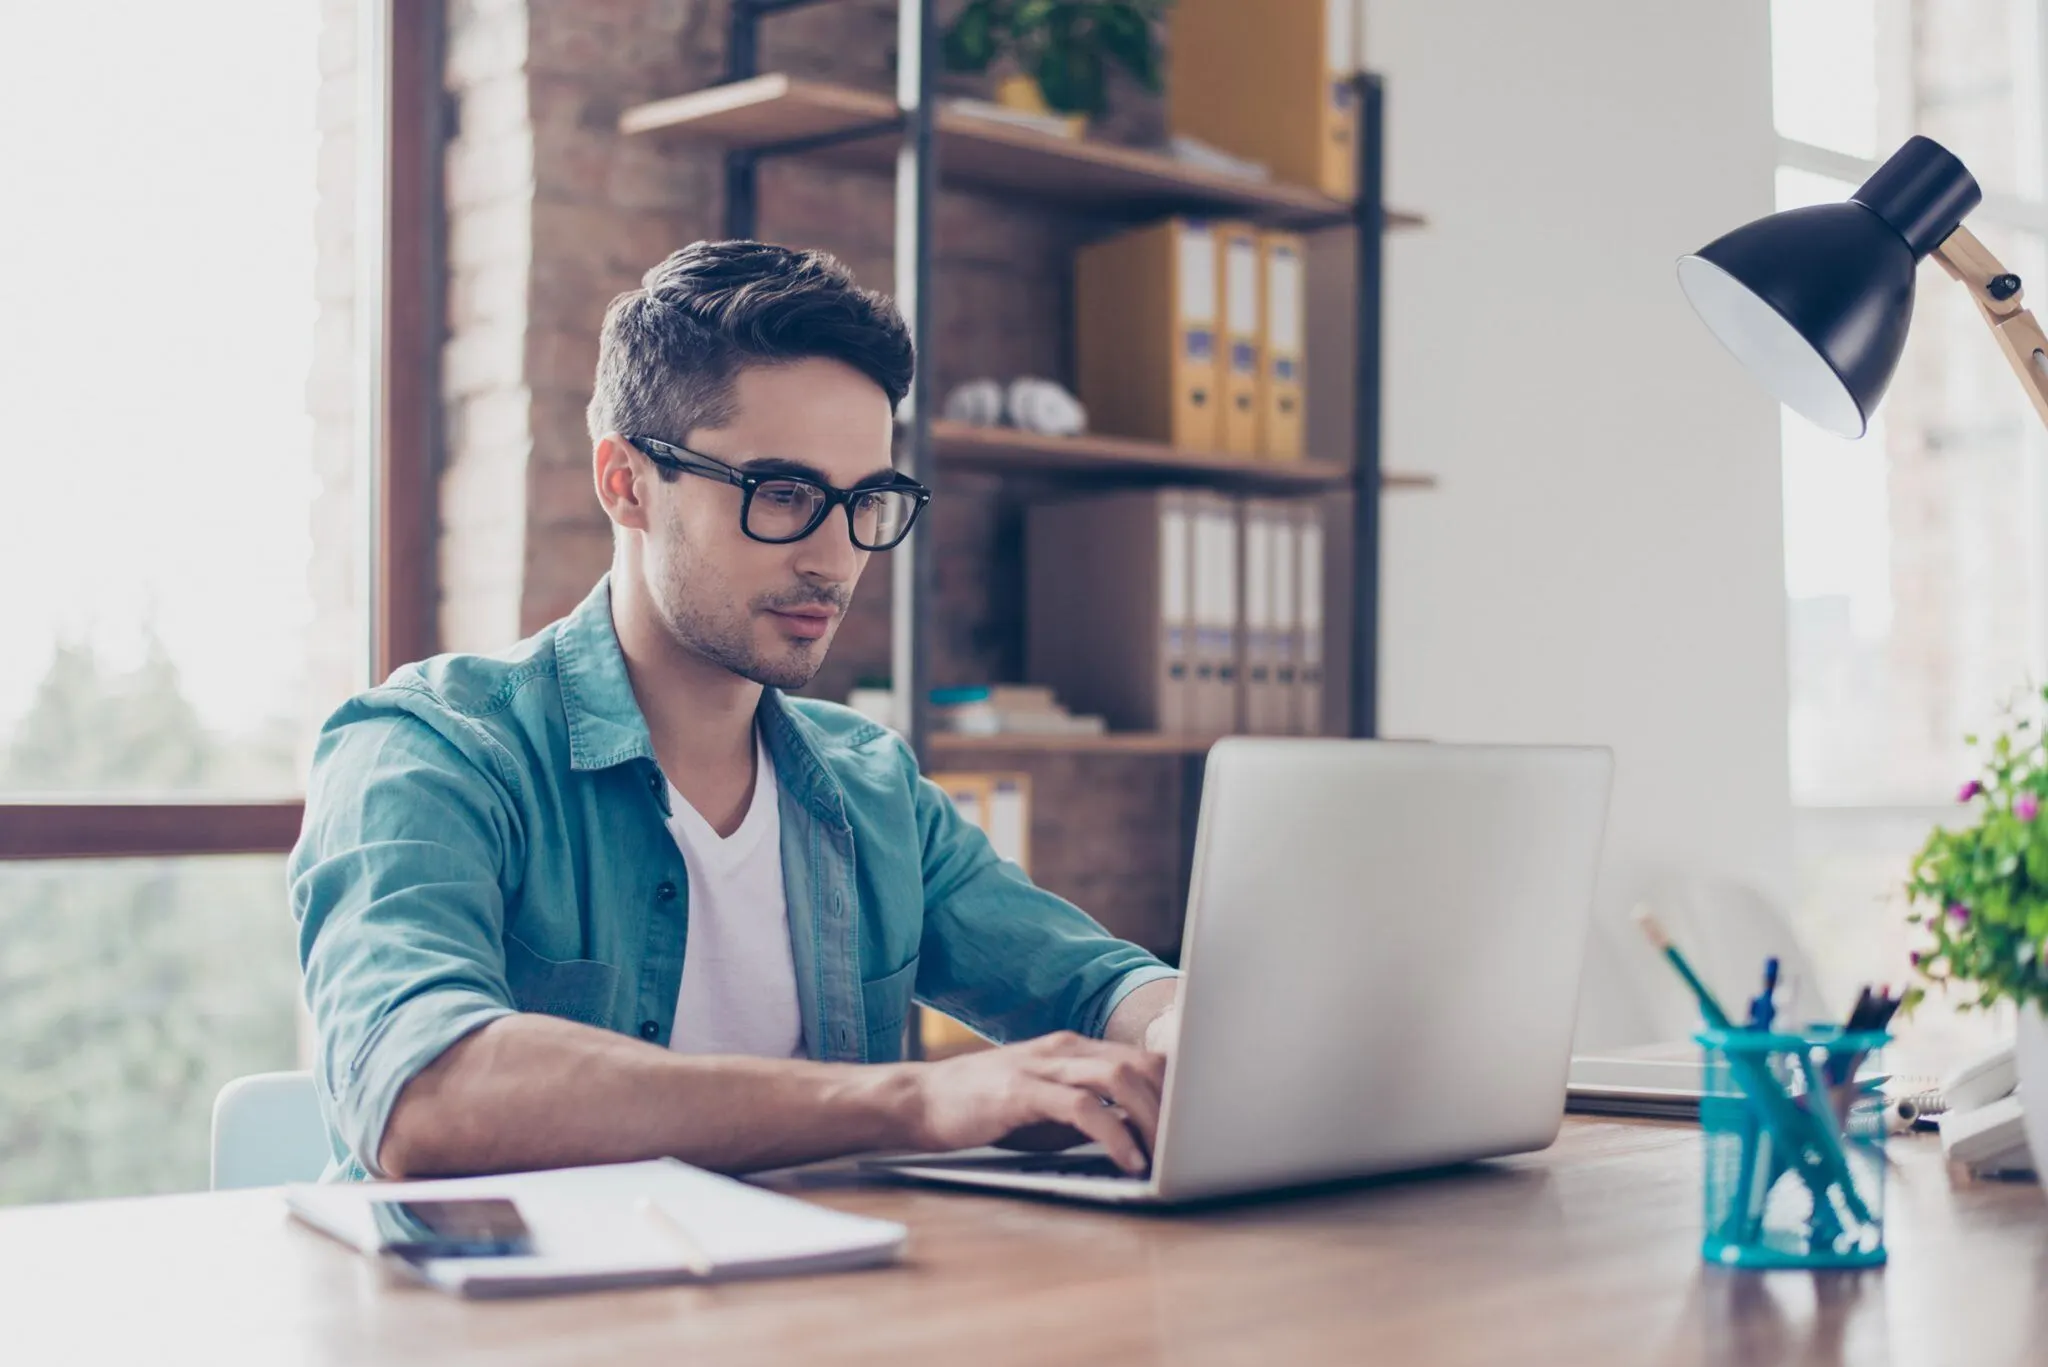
{"x": 779, "y": 509}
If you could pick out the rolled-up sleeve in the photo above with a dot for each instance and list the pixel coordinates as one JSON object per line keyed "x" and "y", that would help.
{"x": 1004, "y": 955}
{"x": 395, "y": 884}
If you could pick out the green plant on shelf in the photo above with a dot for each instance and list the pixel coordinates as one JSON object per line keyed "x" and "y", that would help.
{"x": 1982, "y": 889}
{"x": 1066, "y": 46}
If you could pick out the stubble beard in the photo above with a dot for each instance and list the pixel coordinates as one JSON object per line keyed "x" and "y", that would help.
{"x": 722, "y": 633}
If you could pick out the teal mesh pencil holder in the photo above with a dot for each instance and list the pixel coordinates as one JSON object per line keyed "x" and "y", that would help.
{"x": 1794, "y": 1148}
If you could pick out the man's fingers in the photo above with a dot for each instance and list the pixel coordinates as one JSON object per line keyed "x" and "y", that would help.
{"x": 1067, "y": 1045}
{"x": 1085, "y": 1112}
{"x": 1070, "y": 1044}
{"x": 1122, "y": 1081}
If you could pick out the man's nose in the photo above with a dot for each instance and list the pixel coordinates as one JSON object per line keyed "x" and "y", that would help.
{"x": 828, "y": 553}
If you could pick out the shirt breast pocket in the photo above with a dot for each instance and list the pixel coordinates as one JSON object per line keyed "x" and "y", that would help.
{"x": 885, "y": 1002}
{"x": 574, "y": 989}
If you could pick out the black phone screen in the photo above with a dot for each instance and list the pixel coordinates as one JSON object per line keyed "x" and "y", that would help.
{"x": 481, "y": 1227}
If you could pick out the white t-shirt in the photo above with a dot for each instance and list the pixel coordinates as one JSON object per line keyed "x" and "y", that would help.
{"x": 739, "y": 979}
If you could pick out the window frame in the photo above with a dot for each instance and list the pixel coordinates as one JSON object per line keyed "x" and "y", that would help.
{"x": 401, "y": 108}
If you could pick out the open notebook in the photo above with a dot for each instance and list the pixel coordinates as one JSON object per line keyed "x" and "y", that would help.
{"x": 1662, "y": 1081}
{"x": 591, "y": 1228}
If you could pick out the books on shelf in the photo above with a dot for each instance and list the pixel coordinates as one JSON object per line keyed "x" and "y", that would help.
{"x": 1008, "y": 710}
{"x": 1270, "y": 83}
{"x": 999, "y": 805}
{"x": 1146, "y": 317}
{"x": 1238, "y": 267}
{"x": 1311, "y": 644}
{"x": 1191, "y": 333}
{"x": 1217, "y": 612}
{"x": 1179, "y": 610}
{"x": 1283, "y": 336}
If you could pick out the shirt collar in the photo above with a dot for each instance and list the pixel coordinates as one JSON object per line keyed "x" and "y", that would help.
{"x": 606, "y": 727}
{"x": 793, "y": 743}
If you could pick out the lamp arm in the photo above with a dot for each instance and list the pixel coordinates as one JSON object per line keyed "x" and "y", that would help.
{"x": 1998, "y": 297}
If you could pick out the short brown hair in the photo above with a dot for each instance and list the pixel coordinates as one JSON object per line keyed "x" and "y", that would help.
{"x": 670, "y": 350}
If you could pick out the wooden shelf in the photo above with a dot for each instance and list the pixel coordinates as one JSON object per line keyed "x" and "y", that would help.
{"x": 1124, "y": 743}
{"x": 767, "y": 112}
{"x": 1008, "y": 449}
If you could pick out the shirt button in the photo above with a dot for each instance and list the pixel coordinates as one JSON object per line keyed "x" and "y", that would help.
{"x": 665, "y": 891}
{"x": 650, "y": 1029}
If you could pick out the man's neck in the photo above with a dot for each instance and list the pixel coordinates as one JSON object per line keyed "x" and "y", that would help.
{"x": 699, "y": 714}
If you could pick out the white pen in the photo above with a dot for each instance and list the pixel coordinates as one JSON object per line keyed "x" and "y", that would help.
{"x": 695, "y": 1259}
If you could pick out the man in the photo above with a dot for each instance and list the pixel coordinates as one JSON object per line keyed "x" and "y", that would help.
{"x": 612, "y": 895}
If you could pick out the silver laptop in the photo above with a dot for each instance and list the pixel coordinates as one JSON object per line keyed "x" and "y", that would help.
{"x": 1382, "y": 960}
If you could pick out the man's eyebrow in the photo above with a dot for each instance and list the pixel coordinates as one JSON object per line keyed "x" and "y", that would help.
{"x": 777, "y": 465}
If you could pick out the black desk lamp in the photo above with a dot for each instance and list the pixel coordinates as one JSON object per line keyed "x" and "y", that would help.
{"x": 1816, "y": 301}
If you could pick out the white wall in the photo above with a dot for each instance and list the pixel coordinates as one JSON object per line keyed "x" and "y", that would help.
{"x": 1603, "y": 562}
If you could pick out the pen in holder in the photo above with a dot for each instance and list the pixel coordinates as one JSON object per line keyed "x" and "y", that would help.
{"x": 1794, "y": 1148}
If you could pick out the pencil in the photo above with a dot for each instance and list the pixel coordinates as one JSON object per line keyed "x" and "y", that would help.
{"x": 695, "y": 1260}
{"x": 1710, "y": 1009}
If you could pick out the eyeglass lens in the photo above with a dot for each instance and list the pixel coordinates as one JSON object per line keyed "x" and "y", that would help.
{"x": 784, "y": 509}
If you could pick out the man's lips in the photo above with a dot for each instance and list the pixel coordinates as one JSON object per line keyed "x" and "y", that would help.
{"x": 809, "y": 622}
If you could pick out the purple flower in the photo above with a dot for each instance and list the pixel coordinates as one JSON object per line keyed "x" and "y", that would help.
{"x": 1959, "y": 913}
{"x": 2026, "y": 807}
{"x": 1970, "y": 790}
{"x": 1915, "y": 957}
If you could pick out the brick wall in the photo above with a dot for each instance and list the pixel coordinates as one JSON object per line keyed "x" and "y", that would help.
{"x": 552, "y": 213}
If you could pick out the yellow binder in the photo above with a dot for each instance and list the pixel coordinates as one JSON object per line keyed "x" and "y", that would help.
{"x": 1269, "y": 81}
{"x": 1282, "y": 334}
{"x": 1145, "y": 319}
{"x": 1238, "y": 288}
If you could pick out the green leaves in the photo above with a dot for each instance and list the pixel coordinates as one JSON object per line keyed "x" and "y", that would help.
{"x": 1981, "y": 891}
{"x": 971, "y": 43}
{"x": 1127, "y": 37}
{"x": 1065, "y": 45}
{"x": 1071, "y": 79}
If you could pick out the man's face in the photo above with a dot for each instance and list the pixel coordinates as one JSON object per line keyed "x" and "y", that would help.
{"x": 768, "y": 612}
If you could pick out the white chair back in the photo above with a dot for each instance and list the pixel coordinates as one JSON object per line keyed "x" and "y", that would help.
{"x": 267, "y": 1131}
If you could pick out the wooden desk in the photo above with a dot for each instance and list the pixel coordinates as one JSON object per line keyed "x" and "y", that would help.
{"x": 1584, "y": 1254}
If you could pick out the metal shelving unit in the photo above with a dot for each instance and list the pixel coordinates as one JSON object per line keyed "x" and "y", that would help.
{"x": 757, "y": 116}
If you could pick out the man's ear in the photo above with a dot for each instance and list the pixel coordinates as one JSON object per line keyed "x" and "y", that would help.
{"x": 623, "y": 477}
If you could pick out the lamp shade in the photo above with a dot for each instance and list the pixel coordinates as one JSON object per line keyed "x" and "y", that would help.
{"x": 1816, "y": 301}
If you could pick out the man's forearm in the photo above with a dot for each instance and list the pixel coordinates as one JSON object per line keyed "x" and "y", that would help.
{"x": 533, "y": 1091}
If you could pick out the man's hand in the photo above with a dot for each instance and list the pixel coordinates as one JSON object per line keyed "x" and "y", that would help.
{"x": 1109, "y": 1092}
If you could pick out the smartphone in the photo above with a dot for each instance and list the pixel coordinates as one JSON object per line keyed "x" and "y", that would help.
{"x": 482, "y": 1227}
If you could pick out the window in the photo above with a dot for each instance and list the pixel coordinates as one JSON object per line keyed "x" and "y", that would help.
{"x": 185, "y": 537}
{"x": 1914, "y": 558}
{"x": 130, "y": 991}
{"x": 156, "y": 335}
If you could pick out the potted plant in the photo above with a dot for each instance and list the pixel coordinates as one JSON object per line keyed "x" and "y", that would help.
{"x": 1062, "y": 50}
{"x": 1982, "y": 891}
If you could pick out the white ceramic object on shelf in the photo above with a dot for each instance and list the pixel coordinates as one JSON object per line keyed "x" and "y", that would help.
{"x": 1044, "y": 407}
{"x": 978, "y": 401}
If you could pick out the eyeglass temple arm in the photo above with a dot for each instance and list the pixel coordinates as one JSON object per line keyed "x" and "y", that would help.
{"x": 1998, "y": 296}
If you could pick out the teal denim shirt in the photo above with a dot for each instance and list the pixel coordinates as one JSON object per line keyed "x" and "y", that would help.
{"x": 485, "y": 834}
